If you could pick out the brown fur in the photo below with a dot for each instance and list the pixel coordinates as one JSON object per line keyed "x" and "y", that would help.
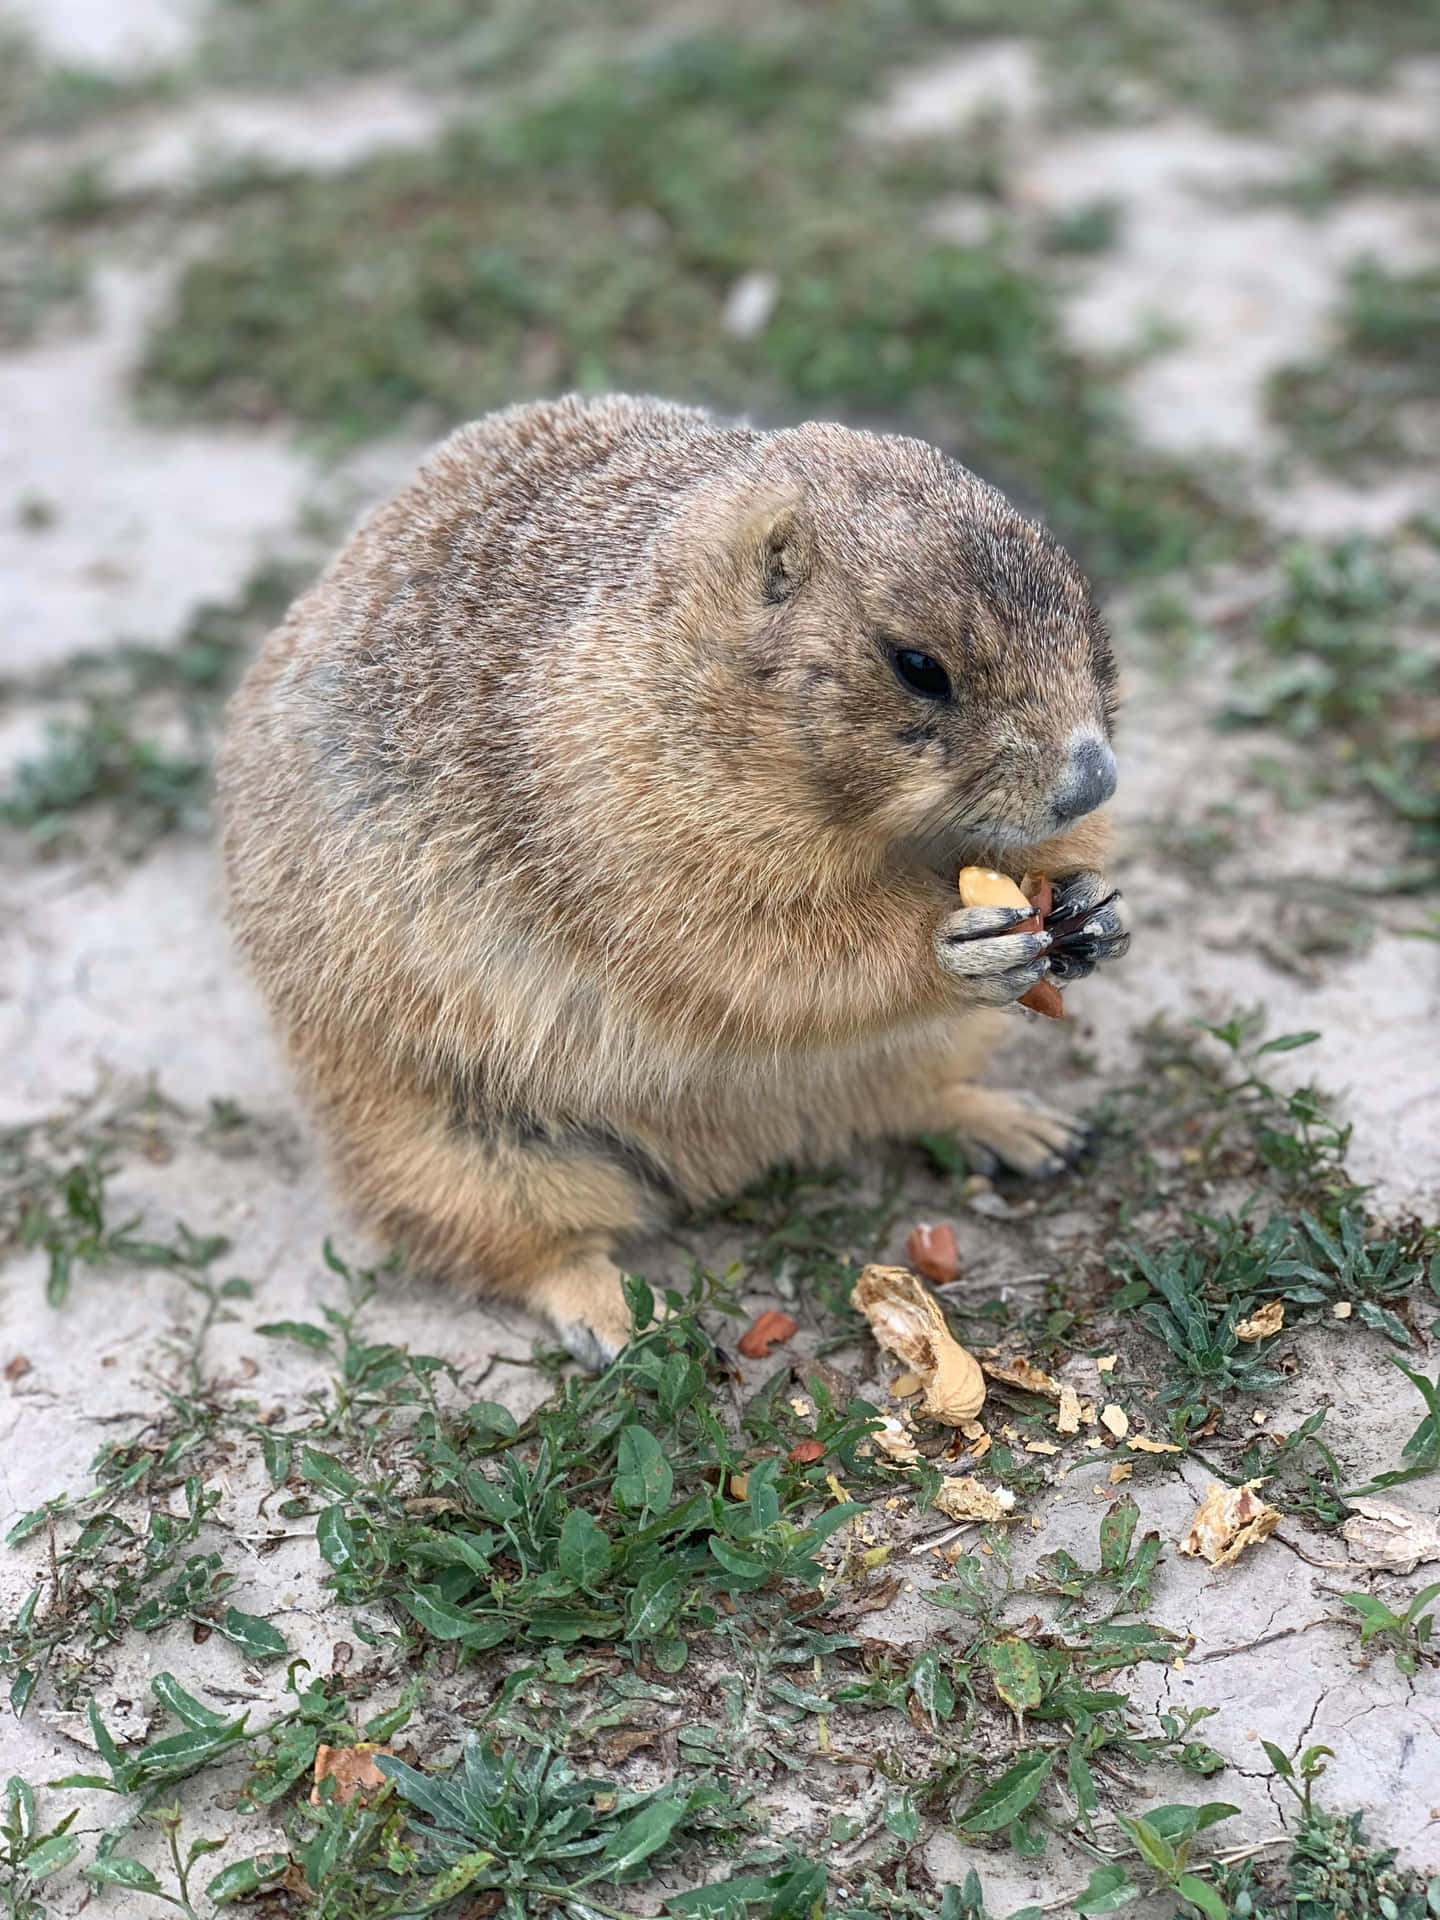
{"x": 591, "y": 854}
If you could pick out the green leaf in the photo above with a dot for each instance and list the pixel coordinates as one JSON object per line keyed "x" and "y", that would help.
{"x": 1199, "y": 1894}
{"x": 104, "y": 1744}
{"x": 276, "y": 1449}
{"x": 335, "y": 1538}
{"x": 902, "y": 1817}
{"x": 1375, "y": 1616}
{"x": 1015, "y": 1672}
{"x": 445, "y": 1622}
{"x": 324, "y": 1470}
{"x": 52, "y": 1854}
{"x": 243, "y": 1877}
{"x": 1008, "y": 1796}
{"x": 1287, "y": 1043}
{"x": 931, "y": 1687}
{"x": 643, "y": 1480}
{"x": 169, "y": 1692}
{"x": 20, "y": 1805}
{"x": 584, "y": 1553}
{"x": 316, "y": 1338}
{"x": 21, "y": 1688}
{"x": 1117, "y": 1530}
{"x": 1108, "y": 1890}
{"x": 1279, "y": 1760}
{"x": 31, "y": 1522}
{"x": 1179, "y": 1822}
{"x": 762, "y": 1498}
{"x": 1155, "y": 1850}
{"x": 256, "y": 1638}
{"x": 465, "y": 1872}
{"x": 654, "y": 1602}
{"x": 117, "y": 1871}
{"x": 646, "y": 1832}
{"x": 488, "y": 1416}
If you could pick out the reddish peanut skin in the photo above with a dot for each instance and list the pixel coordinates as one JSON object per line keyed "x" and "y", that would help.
{"x": 1044, "y": 998}
{"x": 932, "y": 1251}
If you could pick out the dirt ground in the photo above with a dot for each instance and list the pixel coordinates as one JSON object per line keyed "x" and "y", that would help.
{"x": 114, "y": 974}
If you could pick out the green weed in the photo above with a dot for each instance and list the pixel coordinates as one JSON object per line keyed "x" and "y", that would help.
{"x": 1407, "y": 1634}
{"x": 1340, "y": 668}
{"x": 29, "y": 1854}
{"x": 1371, "y": 397}
{"x": 121, "y": 758}
{"x": 591, "y": 241}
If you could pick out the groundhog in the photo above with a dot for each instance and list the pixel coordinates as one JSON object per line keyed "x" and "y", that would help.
{"x": 592, "y": 827}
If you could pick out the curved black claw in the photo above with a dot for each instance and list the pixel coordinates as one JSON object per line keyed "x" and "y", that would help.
{"x": 1088, "y": 924}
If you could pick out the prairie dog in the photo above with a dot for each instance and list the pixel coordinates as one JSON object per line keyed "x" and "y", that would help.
{"x": 592, "y": 826}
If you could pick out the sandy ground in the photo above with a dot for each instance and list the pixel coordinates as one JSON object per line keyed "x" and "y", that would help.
{"x": 127, "y": 973}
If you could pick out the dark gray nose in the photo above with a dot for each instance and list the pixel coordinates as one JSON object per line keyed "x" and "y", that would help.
{"x": 1088, "y": 780}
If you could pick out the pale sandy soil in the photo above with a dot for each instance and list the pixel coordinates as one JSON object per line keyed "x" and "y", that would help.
{"x": 127, "y": 972}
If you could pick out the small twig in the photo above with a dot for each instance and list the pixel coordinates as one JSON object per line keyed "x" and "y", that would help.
{"x": 1308, "y": 1558}
{"x": 1265, "y": 1640}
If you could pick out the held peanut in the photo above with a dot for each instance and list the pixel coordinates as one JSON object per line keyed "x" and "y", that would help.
{"x": 984, "y": 887}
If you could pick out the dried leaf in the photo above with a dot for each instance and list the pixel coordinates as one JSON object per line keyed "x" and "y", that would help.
{"x": 1020, "y": 1373}
{"x": 907, "y": 1322}
{"x": 1227, "y": 1521}
{"x": 1115, "y": 1420}
{"x": 353, "y": 1770}
{"x": 873, "y": 1597}
{"x": 1068, "y": 1418}
{"x": 1389, "y": 1537}
{"x": 1106, "y": 1363}
{"x": 805, "y": 1452}
{"x": 905, "y": 1384}
{"x": 1342, "y": 1309}
{"x": 1261, "y": 1325}
{"x": 933, "y": 1252}
{"x": 967, "y": 1499}
{"x": 770, "y": 1330}
{"x": 1142, "y": 1443}
{"x": 1121, "y": 1470}
{"x": 1041, "y": 1446}
{"x": 620, "y": 1746}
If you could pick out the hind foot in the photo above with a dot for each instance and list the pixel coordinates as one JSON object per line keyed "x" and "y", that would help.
{"x": 999, "y": 1131}
{"x": 585, "y": 1303}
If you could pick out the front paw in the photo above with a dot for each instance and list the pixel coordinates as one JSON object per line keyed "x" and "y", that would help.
{"x": 1089, "y": 923}
{"x": 991, "y": 965}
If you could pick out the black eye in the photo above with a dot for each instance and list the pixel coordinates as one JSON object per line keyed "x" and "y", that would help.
{"x": 922, "y": 674}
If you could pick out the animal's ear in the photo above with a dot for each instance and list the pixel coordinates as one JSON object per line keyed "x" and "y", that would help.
{"x": 784, "y": 548}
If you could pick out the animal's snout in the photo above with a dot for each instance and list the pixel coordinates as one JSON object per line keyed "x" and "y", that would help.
{"x": 1089, "y": 778}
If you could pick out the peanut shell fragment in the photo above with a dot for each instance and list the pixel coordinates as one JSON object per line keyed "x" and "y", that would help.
{"x": 1267, "y": 1320}
{"x": 969, "y": 1499}
{"x": 1228, "y": 1520}
{"x": 907, "y": 1322}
